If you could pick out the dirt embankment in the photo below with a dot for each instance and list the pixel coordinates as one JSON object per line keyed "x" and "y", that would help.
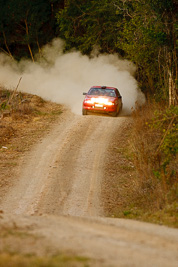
{"x": 54, "y": 203}
{"x": 21, "y": 127}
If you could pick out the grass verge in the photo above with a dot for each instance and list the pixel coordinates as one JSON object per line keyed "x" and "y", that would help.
{"x": 22, "y": 248}
{"x": 60, "y": 260}
{"x": 144, "y": 184}
{"x": 24, "y": 119}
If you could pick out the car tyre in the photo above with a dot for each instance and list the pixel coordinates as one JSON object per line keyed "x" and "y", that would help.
{"x": 84, "y": 112}
{"x": 114, "y": 114}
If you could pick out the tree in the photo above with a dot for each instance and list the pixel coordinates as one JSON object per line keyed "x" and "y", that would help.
{"x": 85, "y": 24}
{"x": 26, "y": 25}
{"x": 5, "y": 32}
{"x": 149, "y": 39}
{"x": 141, "y": 31}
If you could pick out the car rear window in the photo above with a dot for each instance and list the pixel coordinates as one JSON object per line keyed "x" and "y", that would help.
{"x": 102, "y": 92}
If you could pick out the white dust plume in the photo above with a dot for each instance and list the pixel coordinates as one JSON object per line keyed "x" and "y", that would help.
{"x": 63, "y": 77}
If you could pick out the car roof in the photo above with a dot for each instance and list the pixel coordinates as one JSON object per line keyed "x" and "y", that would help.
{"x": 103, "y": 87}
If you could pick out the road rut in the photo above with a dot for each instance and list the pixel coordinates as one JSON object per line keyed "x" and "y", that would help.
{"x": 62, "y": 174}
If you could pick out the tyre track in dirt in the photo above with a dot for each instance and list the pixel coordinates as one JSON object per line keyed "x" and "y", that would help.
{"x": 62, "y": 174}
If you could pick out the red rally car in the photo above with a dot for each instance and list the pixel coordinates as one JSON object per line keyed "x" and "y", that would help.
{"x": 102, "y": 99}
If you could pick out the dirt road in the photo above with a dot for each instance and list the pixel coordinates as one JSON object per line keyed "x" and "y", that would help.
{"x": 62, "y": 174}
{"x": 60, "y": 180}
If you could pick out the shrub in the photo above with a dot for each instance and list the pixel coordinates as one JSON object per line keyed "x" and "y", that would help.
{"x": 154, "y": 143}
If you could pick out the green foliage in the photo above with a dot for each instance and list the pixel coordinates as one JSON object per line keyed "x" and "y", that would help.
{"x": 85, "y": 24}
{"x": 143, "y": 37}
{"x": 3, "y": 106}
{"x": 142, "y": 31}
{"x": 4, "y": 97}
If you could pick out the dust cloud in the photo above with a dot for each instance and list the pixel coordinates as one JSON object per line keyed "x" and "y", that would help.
{"x": 63, "y": 77}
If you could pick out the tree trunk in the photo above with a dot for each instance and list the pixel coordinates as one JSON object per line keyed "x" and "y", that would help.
{"x": 29, "y": 47}
{"x": 5, "y": 42}
{"x": 172, "y": 91}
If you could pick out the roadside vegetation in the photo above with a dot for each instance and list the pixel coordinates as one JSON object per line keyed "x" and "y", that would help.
{"x": 142, "y": 183}
{"x": 16, "y": 260}
{"x": 154, "y": 146}
{"x": 24, "y": 118}
{"x": 20, "y": 112}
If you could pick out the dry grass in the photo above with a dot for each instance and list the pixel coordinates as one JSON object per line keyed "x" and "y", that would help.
{"x": 21, "y": 247}
{"x": 144, "y": 143}
{"x": 154, "y": 155}
{"x": 144, "y": 181}
{"x": 23, "y": 120}
{"x": 60, "y": 260}
{"x": 22, "y": 109}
